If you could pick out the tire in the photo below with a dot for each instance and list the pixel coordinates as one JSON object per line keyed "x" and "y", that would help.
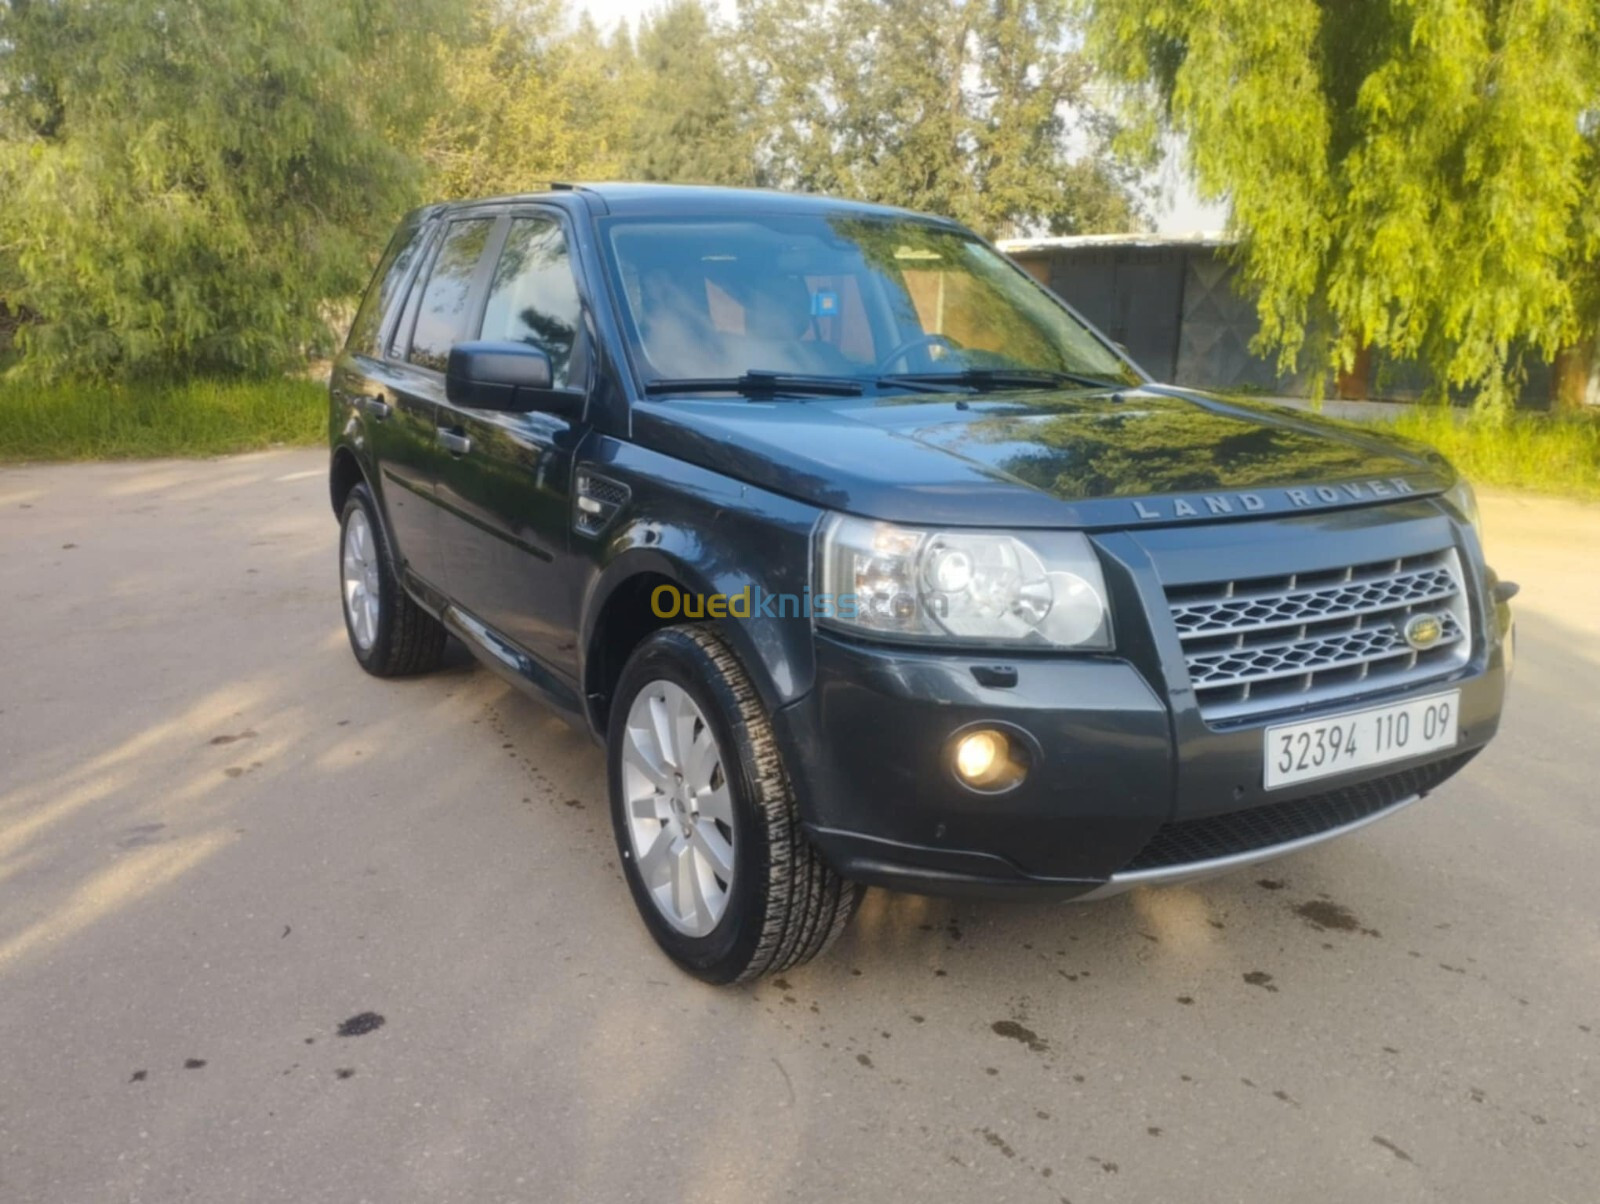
{"x": 783, "y": 905}
{"x": 390, "y": 634}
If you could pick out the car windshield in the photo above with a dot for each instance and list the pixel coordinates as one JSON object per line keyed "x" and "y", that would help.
{"x": 888, "y": 302}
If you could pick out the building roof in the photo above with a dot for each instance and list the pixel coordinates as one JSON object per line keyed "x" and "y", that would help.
{"x": 1197, "y": 238}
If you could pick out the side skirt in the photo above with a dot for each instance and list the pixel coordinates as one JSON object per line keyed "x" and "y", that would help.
{"x": 515, "y": 666}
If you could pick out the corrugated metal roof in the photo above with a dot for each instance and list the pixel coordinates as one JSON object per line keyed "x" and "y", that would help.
{"x": 1199, "y": 238}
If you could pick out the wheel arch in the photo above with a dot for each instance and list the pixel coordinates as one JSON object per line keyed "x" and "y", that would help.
{"x": 345, "y": 472}
{"x": 775, "y": 653}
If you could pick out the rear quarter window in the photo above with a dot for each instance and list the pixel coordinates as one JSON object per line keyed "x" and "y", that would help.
{"x": 384, "y": 291}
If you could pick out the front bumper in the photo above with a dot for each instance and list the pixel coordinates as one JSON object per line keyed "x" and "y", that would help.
{"x": 1130, "y": 785}
{"x": 1105, "y": 808}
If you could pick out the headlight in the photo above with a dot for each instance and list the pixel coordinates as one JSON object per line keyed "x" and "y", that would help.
{"x": 1460, "y": 498}
{"x": 965, "y": 587}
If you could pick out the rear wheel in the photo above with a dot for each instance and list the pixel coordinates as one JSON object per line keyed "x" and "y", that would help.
{"x": 390, "y": 634}
{"x": 706, "y": 821}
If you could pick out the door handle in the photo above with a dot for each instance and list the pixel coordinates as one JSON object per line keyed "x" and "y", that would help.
{"x": 456, "y": 443}
{"x": 375, "y": 408}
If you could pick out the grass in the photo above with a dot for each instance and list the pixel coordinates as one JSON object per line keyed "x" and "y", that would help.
{"x": 1557, "y": 454}
{"x": 186, "y": 418}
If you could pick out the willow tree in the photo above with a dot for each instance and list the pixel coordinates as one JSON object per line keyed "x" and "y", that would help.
{"x": 975, "y": 109}
{"x": 1418, "y": 176}
{"x": 186, "y": 185}
{"x": 526, "y": 99}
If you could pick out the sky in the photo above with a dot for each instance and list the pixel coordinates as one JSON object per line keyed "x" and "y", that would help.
{"x": 1179, "y": 211}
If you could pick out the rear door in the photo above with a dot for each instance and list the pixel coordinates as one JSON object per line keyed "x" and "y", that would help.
{"x": 436, "y": 317}
{"x": 363, "y": 377}
{"x": 506, "y": 495}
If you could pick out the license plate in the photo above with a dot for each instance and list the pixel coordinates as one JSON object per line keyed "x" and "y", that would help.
{"x": 1299, "y": 752}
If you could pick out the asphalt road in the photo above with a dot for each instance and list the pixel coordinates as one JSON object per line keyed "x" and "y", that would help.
{"x": 220, "y": 841}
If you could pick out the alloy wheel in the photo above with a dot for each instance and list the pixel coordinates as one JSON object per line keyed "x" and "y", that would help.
{"x": 361, "y": 579}
{"x": 679, "y": 812}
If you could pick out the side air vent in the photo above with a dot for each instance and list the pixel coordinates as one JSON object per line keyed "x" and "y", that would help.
{"x": 598, "y": 500}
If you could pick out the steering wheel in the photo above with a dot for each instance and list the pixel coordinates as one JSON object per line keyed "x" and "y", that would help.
{"x": 910, "y": 345}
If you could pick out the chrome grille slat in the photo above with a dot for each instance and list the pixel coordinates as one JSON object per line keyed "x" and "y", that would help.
{"x": 1257, "y": 646}
{"x": 1361, "y": 647}
{"x": 1234, "y": 612}
{"x": 1258, "y": 705}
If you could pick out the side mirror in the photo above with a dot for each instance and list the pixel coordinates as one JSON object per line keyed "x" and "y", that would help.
{"x": 509, "y": 377}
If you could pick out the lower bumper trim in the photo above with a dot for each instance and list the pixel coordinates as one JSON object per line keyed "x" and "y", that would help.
{"x": 921, "y": 870}
{"x": 945, "y": 872}
{"x": 1195, "y": 871}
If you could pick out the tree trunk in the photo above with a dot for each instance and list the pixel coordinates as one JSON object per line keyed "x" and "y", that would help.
{"x": 1572, "y": 372}
{"x": 1353, "y": 384}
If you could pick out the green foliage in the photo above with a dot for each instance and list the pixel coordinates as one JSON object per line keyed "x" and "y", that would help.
{"x": 958, "y": 108}
{"x": 524, "y": 101}
{"x": 198, "y": 417}
{"x": 1550, "y": 453}
{"x": 691, "y": 124}
{"x": 188, "y": 184}
{"x": 201, "y": 186}
{"x": 1418, "y": 175}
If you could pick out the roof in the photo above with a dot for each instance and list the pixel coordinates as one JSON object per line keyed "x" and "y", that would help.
{"x": 1198, "y": 238}
{"x": 665, "y": 200}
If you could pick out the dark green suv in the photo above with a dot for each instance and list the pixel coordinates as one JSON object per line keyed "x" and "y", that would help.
{"x": 870, "y": 562}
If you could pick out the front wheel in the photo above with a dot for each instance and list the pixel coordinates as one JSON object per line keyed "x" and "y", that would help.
{"x": 706, "y": 822}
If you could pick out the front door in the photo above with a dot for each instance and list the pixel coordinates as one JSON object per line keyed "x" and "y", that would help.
{"x": 506, "y": 495}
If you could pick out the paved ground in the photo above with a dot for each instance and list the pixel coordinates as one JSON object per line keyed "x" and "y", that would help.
{"x": 219, "y": 841}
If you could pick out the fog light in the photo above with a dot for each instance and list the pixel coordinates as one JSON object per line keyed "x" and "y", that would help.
{"x": 989, "y": 760}
{"x": 978, "y": 754}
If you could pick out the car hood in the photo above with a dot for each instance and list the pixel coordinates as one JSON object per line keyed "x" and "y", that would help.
{"x": 1148, "y": 456}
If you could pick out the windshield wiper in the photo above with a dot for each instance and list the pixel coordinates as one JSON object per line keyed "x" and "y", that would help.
{"x": 1001, "y": 378}
{"x": 759, "y": 383}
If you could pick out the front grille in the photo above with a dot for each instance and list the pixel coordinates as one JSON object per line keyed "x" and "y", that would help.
{"x": 1272, "y": 643}
{"x": 1194, "y": 840}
